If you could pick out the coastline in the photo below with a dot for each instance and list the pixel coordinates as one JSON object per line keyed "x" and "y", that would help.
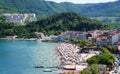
{"x": 18, "y": 39}
{"x": 30, "y": 39}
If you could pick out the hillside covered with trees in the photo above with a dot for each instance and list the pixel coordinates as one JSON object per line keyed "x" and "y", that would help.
{"x": 45, "y": 8}
{"x": 52, "y": 25}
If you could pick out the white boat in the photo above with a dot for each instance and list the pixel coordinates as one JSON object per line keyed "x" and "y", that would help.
{"x": 47, "y": 70}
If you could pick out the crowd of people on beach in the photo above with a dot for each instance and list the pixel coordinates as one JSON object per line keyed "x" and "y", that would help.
{"x": 69, "y": 52}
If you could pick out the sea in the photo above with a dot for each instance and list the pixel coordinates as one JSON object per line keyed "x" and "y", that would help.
{"x": 21, "y": 57}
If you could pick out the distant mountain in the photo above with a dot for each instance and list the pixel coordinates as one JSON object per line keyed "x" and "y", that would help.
{"x": 46, "y": 8}
{"x": 102, "y": 9}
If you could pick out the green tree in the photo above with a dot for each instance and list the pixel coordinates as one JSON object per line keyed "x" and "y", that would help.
{"x": 93, "y": 69}
{"x": 106, "y": 58}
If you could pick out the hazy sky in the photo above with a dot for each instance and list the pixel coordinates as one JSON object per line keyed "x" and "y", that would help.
{"x": 82, "y": 1}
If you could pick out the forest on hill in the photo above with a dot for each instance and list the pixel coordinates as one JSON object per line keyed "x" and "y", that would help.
{"x": 52, "y": 25}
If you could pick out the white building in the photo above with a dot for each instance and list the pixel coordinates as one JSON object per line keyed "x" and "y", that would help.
{"x": 108, "y": 39}
{"x": 73, "y": 35}
{"x": 20, "y": 18}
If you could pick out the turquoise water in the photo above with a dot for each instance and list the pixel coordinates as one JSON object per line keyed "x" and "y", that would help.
{"x": 20, "y": 56}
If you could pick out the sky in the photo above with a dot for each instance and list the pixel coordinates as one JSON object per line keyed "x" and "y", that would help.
{"x": 83, "y": 1}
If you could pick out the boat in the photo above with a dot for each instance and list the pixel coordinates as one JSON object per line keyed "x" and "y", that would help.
{"x": 47, "y": 70}
{"x": 31, "y": 39}
{"x": 54, "y": 69}
{"x": 39, "y": 66}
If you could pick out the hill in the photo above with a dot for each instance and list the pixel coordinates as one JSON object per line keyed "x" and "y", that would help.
{"x": 67, "y": 21}
{"x": 52, "y": 25}
{"x": 114, "y": 21}
{"x": 45, "y": 8}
